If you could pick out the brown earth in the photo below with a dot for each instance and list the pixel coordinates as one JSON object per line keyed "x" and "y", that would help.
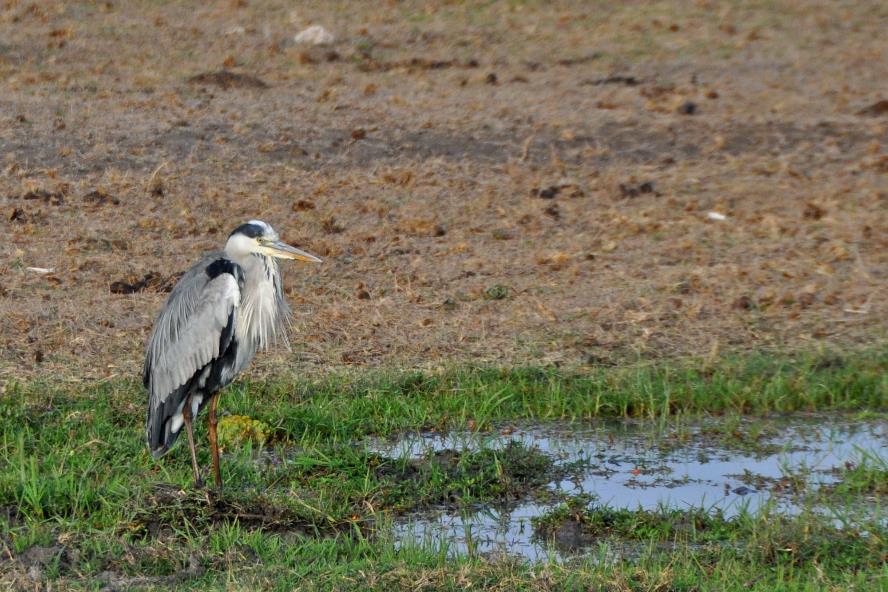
{"x": 506, "y": 182}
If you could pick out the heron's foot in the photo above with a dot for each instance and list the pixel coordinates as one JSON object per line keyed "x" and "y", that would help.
{"x": 199, "y": 483}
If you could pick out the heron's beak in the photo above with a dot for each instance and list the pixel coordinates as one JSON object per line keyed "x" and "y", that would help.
{"x": 284, "y": 251}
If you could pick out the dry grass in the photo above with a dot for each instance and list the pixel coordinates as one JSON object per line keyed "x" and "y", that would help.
{"x": 412, "y": 154}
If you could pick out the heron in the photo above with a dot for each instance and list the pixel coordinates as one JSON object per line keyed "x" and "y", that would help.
{"x": 223, "y": 310}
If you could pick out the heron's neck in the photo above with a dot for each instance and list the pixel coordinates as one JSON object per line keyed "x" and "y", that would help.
{"x": 259, "y": 314}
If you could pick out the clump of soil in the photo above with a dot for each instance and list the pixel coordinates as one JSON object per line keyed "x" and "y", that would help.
{"x": 150, "y": 282}
{"x": 168, "y": 507}
{"x": 876, "y": 109}
{"x": 227, "y": 79}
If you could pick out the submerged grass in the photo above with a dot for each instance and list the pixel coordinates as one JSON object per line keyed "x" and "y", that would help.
{"x": 868, "y": 476}
{"x": 763, "y": 537}
{"x": 83, "y": 505}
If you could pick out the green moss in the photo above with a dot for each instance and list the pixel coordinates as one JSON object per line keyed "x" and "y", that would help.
{"x": 237, "y": 430}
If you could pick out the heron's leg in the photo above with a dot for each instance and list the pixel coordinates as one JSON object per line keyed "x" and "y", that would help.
{"x": 214, "y": 443}
{"x": 186, "y": 415}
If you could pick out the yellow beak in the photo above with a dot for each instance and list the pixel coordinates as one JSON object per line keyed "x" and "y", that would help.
{"x": 282, "y": 250}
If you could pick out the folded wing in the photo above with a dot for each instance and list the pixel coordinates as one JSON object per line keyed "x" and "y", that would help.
{"x": 195, "y": 329}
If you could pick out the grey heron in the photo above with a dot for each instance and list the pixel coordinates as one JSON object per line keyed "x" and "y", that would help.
{"x": 226, "y": 307}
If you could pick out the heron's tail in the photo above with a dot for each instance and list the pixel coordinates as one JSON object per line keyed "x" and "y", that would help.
{"x": 164, "y": 422}
{"x": 160, "y": 441}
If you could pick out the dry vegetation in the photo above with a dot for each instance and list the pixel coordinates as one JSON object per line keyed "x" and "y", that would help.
{"x": 508, "y": 182}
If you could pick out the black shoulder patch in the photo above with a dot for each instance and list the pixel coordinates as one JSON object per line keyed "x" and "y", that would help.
{"x": 221, "y": 265}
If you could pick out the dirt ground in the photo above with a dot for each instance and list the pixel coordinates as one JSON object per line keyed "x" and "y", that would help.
{"x": 503, "y": 182}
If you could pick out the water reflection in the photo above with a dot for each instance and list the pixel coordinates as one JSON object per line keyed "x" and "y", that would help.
{"x": 632, "y": 466}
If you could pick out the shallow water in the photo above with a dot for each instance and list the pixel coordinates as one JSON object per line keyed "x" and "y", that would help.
{"x": 633, "y": 465}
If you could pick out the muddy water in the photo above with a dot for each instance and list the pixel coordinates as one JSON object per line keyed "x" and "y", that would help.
{"x": 630, "y": 465}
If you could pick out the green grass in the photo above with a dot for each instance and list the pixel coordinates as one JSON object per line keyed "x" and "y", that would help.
{"x": 80, "y": 497}
{"x": 456, "y": 479}
{"x": 345, "y": 406}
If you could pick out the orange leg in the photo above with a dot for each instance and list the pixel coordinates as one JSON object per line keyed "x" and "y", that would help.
{"x": 214, "y": 443}
{"x": 186, "y": 414}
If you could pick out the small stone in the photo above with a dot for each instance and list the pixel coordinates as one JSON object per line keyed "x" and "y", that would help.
{"x": 314, "y": 35}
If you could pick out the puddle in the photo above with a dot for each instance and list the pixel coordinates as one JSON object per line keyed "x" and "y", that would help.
{"x": 634, "y": 466}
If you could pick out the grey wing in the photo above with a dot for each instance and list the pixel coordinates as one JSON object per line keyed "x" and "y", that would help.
{"x": 193, "y": 329}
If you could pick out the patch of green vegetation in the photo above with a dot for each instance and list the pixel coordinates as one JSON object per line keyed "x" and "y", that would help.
{"x": 81, "y": 498}
{"x": 235, "y": 430}
{"x": 346, "y": 406}
{"x": 767, "y": 538}
{"x": 496, "y": 292}
{"x": 459, "y": 479}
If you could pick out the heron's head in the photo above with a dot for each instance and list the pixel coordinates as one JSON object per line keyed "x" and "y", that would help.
{"x": 259, "y": 238}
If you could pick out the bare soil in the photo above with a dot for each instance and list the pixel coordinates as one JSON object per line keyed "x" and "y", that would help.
{"x": 505, "y": 182}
